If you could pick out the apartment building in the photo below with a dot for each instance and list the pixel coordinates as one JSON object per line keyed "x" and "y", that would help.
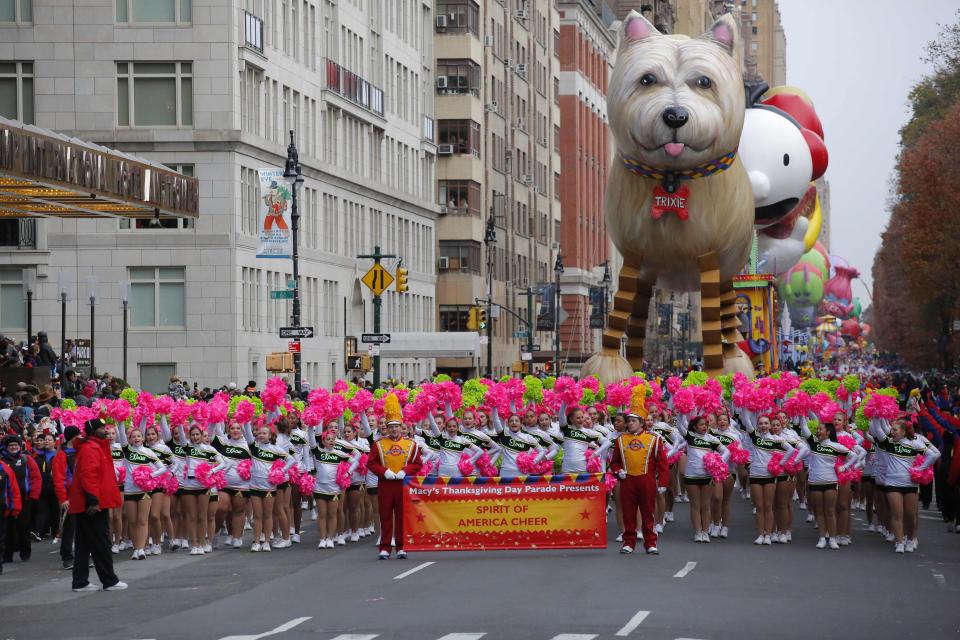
{"x": 211, "y": 88}
{"x": 497, "y": 102}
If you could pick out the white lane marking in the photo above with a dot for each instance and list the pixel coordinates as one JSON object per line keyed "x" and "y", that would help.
{"x": 462, "y": 636}
{"x": 574, "y": 636}
{"x": 940, "y": 580}
{"x": 286, "y": 626}
{"x": 356, "y": 636}
{"x": 686, "y": 569}
{"x": 634, "y": 622}
{"x": 923, "y": 517}
{"x": 420, "y": 566}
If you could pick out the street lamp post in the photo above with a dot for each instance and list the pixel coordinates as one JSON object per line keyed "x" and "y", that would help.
{"x": 125, "y": 299}
{"x": 606, "y": 291}
{"x": 29, "y": 283}
{"x": 558, "y": 270}
{"x": 92, "y": 282}
{"x": 291, "y": 173}
{"x": 489, "y": 239}
{"x": 64, "y": 280}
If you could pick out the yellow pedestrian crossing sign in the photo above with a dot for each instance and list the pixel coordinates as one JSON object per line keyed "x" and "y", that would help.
{"x": 377, "y": 279}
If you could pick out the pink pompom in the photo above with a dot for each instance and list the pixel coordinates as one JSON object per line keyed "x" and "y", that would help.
{"x": 715, "y": 466}
{"x": 119, "y": 410}
{"x": 738, "y": 455}
{"x": 362, "y": 468}
{"x": 360, "y": 402}
{"x": 293, "y": 473}
{"x": 568, "y": 390}
{"x": 881, "y": 407}
{"x": 163, "y": 405}
{"x": 306, "y": 484}
{"x": 525, "y": 462}
{"x": 708, "y": 400}
{"x": 243, "y": 469}
{"x": 828, "y": 410}
{"x": 609, "y": 482}
{"x": 343, "y": 474}
{"x": 675, "y": 458}
{"x": 850, "y": 475}
{"x": 486, "y": 466}
{"x": 179, "y": 414}
{"x": 846, "y": 440}
{"x": 618, "y": 395}
{"x": 143, "y": 479}
{"x": 798, "y": 405}
{"x": 121, "y": 474}
{"x": 793, "y": 466}
{"x": 201, "y": 472}
{"x": 312, "y": 416}
{"x": 426, "y": 468}
{"x": 274, "y": 392}
{"x": 594, "y": 464}
{"x": 340, "y": 386}
{"x": 276, "y": 475}
{"x": 170, "y": 484}
{"x": 465, "y": 465}
{"x": 217, "y": 410}
{"x": 683, "y": 400}
{"x": 775, "y": 466}
{"x": 673, "y": 384}
{"x": 918, "y": 476}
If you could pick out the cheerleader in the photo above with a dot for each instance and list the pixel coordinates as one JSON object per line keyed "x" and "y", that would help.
{"x": 671, "y": 437}
{"x": 326, "y": 492}
{"x": 845, "y": 490}
{"x": 371, "y": 481}
{"x": 513, "y": 441}
{"x": 823, "y": 454}
{"x": 213, "y": 508}
{"x": 194, "y": 496}
{"x": 119, "y": 527}
{"x": 727, "y": 434}
{"x": 470, "y": 430}
{"x": 538, "y": 426}
{"x": 868, "y": 482}
{"x": 136, "y": 499}
{"x": 786, "y": 482}
{"x": 233, "y": 446}
{"x": 177, "y": 464}
{"x": 304, "y": 465}
{"x": 263, "y": 490}
{"x": 574, "y": 434}
{"x": 900, "y": 455}
{"x": 358, "y": 448}
{"x": 697, "y": 442}
{"x": 281, "y": 501}
{"x": 451, "y": 446}
{"x": 763, "y": 445}
{"x": 160, "y": 504}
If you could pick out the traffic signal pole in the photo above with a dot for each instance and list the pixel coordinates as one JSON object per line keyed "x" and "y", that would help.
{"x": 376, "y": 256}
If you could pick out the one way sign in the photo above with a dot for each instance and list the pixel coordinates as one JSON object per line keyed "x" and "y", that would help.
{"x": 296, "y": 332}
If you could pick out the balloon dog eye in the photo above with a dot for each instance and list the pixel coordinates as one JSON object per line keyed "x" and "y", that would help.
{"x": 786, "y": 159}
{"x": 648, "y": 79}
{"x": 704, "y": 82}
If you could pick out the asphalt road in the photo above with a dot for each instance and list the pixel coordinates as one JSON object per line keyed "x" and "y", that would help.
{"x": 728, "y": 589}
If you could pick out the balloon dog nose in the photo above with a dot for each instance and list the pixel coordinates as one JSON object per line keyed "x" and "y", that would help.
{"x": 675, "y": 117}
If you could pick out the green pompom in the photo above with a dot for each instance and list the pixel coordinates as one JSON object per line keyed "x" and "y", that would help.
{"x": 347, "y": 416}
{"x": 442, "y": 377}
{"x": 473, "y": 393}
{"x": 351, "y": 391}
{"x": 130, "y": 395}
{"x": 695, "y": 379}
{"x": 589, "y": 398}
{"x": 299, "y": 405}
{"x": 811, "y": 386}
{"x": 549, "y": 381}
{"x": 67, "y": 404}
{"x": 851, "y": 383}
{"x": 640, "y": 374}
{"x": 412, "y": 395}
{"x": 379, "y": 393}
{"x": 504, "y": 378}
{"x": 534, "y": 392}
{"x": 257, "y": 405}
{"x": 862, "y": 422}
{"x": 831, "y": 386}
{"x": 726, "y": 381}
{"x": 888, "y": 391}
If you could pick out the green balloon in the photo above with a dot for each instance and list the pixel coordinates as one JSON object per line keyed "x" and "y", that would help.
{"x": 857, "y": 308}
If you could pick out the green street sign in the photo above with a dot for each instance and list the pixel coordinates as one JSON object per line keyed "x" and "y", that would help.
{"x": 291, "y": 284}
{"x": 520, "y": 334}
{"x": 286, "y": 294}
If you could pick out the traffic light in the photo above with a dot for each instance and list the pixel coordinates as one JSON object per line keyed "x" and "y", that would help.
{"x": 481, "y": 318}
{"x": 402, "y": 280}
{"x": 472, "y": 319}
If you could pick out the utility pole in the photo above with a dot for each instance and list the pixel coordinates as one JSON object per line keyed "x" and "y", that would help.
{"x": 379, "y": 280}
{"x": 558, "y": 270}
{"x": 489, "y": 238}
{"x": 291, "y": 173}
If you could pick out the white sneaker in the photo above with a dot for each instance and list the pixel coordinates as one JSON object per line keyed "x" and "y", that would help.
{"x": 653, "y": 551}
{"x": 657, "y": 528}
{"x": 295, "y": 538}
{"x": 196, "y": 551}
{"x": 668, "y": 516}
{"x": 811, "y": 517}
{"x": 724, "y": 532}
{"x": 115, "y": 549}
{"x": 384, "y": 555}
{"x": 909, "y": 546}
{"x": 788, "y": 536}
{"x": 255, "y": 547}
{"x": 355, "y": 537}
{"x": 619, "y": 537}
{"x": 872, "y": 528}
{"x": 714, "y": 531}
{"x": 833, "y": 543}
{"x": 90, "y": 587}
{"x": 136, "y": 554}
{"x": 283, "y": 544}
{"x": 341, "y": 540}
{"x": 265, "y": 546}
{"x": 775, "y": 538}
{"x": 844, "y": 541}
{"x": 401, "y": 554}
{"x": 889, "y": 537}
{"x": 156, "y": 550}
{"x": 705, "y": 537}
{"x": 313, "y": 514}
{"x": 803, "y": 505}
{"x": 237, "y": 543}
{"x": 249, "y": 527}
{"x": 898, "y": 548}
{"x": 120, "y": 586}
{"x": 759, "y": 540}
{"x": 916, "y": 543}
{"x": 822, "y": 543}
{"x": 626, "y": 549}
{"x": 207, "y": 548}
{"x": 766, "y": 540}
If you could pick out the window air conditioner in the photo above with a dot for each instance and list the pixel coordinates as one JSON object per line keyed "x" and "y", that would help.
{"x": 490, "y": 106}
{"x": 443, "y": 263}
{"x": 442, "y": 21}
{"x": 521, "y": 14}
{"x": 441, "y": 82}
{"x": 445, "y": 150}
{"x": 521, "y": 69}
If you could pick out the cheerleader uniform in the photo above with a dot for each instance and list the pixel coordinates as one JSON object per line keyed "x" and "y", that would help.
{"x": 575, "y": 442}
{"x": 544, "y": 441}
{"x": 193, "y": 455}
{"x": 263, "y": 456}
{"x": 134, "y": 457}
{"x": 358, "y": 448}
{"x": 325, "y": 462}
{"x": 822, "y": 458}
{"x": 727, "y": 437}
{"x": 451, "y": 450}
{"x": 116, "y": 454}
{"x": 372, "y": 480}
{"x": 697, "y": 447}
{"x": 234, "y": 452}
{"x": 762, "y": 447}
{"x": 899, "y": 458}
{"x": 513, "y": 444}
{"x": 301, "y": 450}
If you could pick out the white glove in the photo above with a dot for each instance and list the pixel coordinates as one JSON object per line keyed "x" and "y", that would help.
{"x": 661, "y": 489}
{"x": 390, "y": 475}
{"x": 622, "y": 474}
{"x": 400, "y": 475}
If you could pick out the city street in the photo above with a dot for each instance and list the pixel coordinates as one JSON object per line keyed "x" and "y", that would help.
{"x": 728, "y": 589}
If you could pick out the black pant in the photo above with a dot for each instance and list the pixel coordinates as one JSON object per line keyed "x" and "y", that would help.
{"x": 93, "y": 540}
{"x": 3, "y": 537}
{"x": 66, "y": 538}
{"x": 46, "y": 515}
{"x": 18, "y": 533}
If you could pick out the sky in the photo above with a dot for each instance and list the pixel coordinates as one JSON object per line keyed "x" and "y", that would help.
{"x": 857, "y": 60}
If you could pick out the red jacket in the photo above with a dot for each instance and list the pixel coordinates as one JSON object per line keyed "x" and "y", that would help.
{"x": 32, "y": 481}
{"x": 94, "y": 482}
{"x": 62, "y": 476}
{"x": 10, "y": 504}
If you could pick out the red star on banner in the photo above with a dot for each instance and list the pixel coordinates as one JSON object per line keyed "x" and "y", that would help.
{"x": 421, "y": 517}
{"x": 585, "y": 515}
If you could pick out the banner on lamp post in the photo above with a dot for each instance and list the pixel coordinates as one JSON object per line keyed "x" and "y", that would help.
{"x": 274, "y": 236}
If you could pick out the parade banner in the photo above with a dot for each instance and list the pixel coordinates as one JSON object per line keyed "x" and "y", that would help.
{"x": 565, "y": 511}
{"x": 275, "y": 239}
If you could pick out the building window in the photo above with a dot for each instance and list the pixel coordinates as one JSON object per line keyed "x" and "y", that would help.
{"x": 460, "y": 255}
{"x": 454, "y": 317}
{"x": 162, "y": 223}
{"x": 16, "y": 10}
{"x": 155, "y": 378}
{"x": 460, "y": 16}
{"x": 154, "y": 11}
{"x": 462, "y": 135}
{"x": 12, "y": 306}
{"x": 152, "y": 94}
{"x": 157, "y": 297}
{"x": 458, "y": 76}
{"x": 556, "y": 90}
{"x": 16, "y": 91}
{"x": 754, "y": 30}
{"x": 460, "y": 196}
